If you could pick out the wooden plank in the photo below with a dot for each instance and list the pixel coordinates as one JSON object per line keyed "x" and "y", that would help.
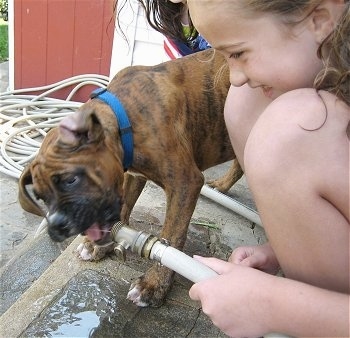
{"x": 107, "y": 37}
{"x": 32, "y": 43}
{"x": 60, "y": 40}
{"x": 87, "y": 37}
{"x": 17, "y": 40}
{"x": 57, "y": 39}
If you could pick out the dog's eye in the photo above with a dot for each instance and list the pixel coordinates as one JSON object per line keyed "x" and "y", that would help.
{"x": 67, "y": 181}
{"x": 71, "y": 181}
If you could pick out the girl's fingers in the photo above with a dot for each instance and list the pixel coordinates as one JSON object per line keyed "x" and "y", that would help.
{"x": 216, "y": 264}
{"x": 193, "y": 293}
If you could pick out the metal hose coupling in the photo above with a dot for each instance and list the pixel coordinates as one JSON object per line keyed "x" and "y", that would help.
{"x": 149, "y": 246}
{"x": 138, "y": 242}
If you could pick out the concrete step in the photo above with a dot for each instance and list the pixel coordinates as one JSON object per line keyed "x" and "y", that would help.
{"x": 47, "y": 291}
{"x": 73, "y": 298}
{"x": 26, "y": 267}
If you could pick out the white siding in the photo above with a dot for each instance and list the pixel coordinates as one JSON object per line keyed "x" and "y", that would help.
{"x": 144, "y": 45}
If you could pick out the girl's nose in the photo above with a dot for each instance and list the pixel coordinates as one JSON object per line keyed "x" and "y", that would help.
{"x": 237, "y": 77}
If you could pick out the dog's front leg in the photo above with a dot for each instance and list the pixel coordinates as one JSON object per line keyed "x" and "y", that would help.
{"x": 133, "y": 186}
{"x": 152, "y": 287}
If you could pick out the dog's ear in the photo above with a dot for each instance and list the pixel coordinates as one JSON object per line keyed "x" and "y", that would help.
{"x": 26, "y": 201}
{"x": 80, "y": 128}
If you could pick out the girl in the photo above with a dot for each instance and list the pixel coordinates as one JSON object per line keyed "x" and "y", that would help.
{"x": 293, "y": 142}
{"x": 172, "y": 20}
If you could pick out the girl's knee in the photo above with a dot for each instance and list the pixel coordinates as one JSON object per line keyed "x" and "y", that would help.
{"x": 276, "y": 143}
{"x": 266, "y": 153}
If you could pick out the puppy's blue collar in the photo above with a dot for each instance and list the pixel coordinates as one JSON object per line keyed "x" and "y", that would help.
{"x": 125, "y": 129}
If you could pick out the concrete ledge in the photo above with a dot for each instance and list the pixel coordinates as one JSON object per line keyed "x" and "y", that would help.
{"x": 39, "y": 295}
{"x": 33, "y": 310}
{"x": 25, "y": 268}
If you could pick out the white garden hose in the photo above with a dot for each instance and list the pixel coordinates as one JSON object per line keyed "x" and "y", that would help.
{"x": 232, "y": 204}
{"x": 25, "y": 119}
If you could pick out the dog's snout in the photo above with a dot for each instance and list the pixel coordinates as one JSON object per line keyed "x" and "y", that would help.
{"x": 58, "y": 227}
{"x": 57, "y": 220}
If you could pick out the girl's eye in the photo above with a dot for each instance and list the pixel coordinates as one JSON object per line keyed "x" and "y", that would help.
{"x": 236, "y": 55}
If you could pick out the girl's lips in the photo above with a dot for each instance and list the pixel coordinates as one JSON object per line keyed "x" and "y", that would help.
{"x": 268, "y": 91}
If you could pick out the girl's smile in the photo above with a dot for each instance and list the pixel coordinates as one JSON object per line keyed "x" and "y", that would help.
{"x": 261, "y": 50}
{"x": 268, "y": 91}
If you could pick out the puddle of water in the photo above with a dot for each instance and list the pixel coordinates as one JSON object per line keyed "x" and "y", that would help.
{"x": 94, "y": 305}
{"x": 82, "y": 325}
{"x": 89, "y": 299}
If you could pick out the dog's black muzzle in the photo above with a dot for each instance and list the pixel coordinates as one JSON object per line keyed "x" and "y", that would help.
{"x": 59, "y": 227}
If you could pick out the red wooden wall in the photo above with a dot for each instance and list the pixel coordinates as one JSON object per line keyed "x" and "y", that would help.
{"x": 56, "y": 39}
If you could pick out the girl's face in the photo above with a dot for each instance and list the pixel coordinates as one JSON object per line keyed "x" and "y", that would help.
{"x": 261, "y": 51}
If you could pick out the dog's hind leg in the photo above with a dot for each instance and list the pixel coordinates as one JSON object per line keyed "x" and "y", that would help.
{"x": 152, "y": 287}
{"x": 224, "y": 183}
{"x": 133, "y": 186}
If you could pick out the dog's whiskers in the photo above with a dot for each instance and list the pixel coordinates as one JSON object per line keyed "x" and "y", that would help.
{"x": 41, "y": 228}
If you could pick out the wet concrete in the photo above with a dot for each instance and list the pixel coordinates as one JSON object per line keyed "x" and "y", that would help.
{"x": 87, "y": 300}
{"x": 93, "y": 304}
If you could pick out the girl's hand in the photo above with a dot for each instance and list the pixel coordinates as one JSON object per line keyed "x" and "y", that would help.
{"x": 234, "y": 300}
{"x": 260, "y": 257}
{"x": 245, "y": 302}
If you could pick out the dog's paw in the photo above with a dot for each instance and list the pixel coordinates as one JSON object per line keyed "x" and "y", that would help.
{"x": 220, "y": 184}
{"x": 232, "y": 175}
{"x": 135, "y": 294}
{"x": 101, "y": 252}
{"x": 151, "y": 288}
{"x": 89, "y": 251}
{"x": 83, "y": 252}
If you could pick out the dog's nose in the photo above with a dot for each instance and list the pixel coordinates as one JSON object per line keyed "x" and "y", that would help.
{"x": 57, "y": 220}
{"x": 58, "y": 227}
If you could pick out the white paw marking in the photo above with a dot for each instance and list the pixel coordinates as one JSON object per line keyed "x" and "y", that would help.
{"x": 79, "y": 248}
{"x": 83, "y": 252}
{"x": 135, "y": 296}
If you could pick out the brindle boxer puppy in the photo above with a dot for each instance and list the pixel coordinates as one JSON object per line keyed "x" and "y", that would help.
{"x": 176, "y": 113}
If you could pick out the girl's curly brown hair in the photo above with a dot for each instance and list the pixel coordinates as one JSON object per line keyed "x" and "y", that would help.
{"x": 335, "y": 53}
